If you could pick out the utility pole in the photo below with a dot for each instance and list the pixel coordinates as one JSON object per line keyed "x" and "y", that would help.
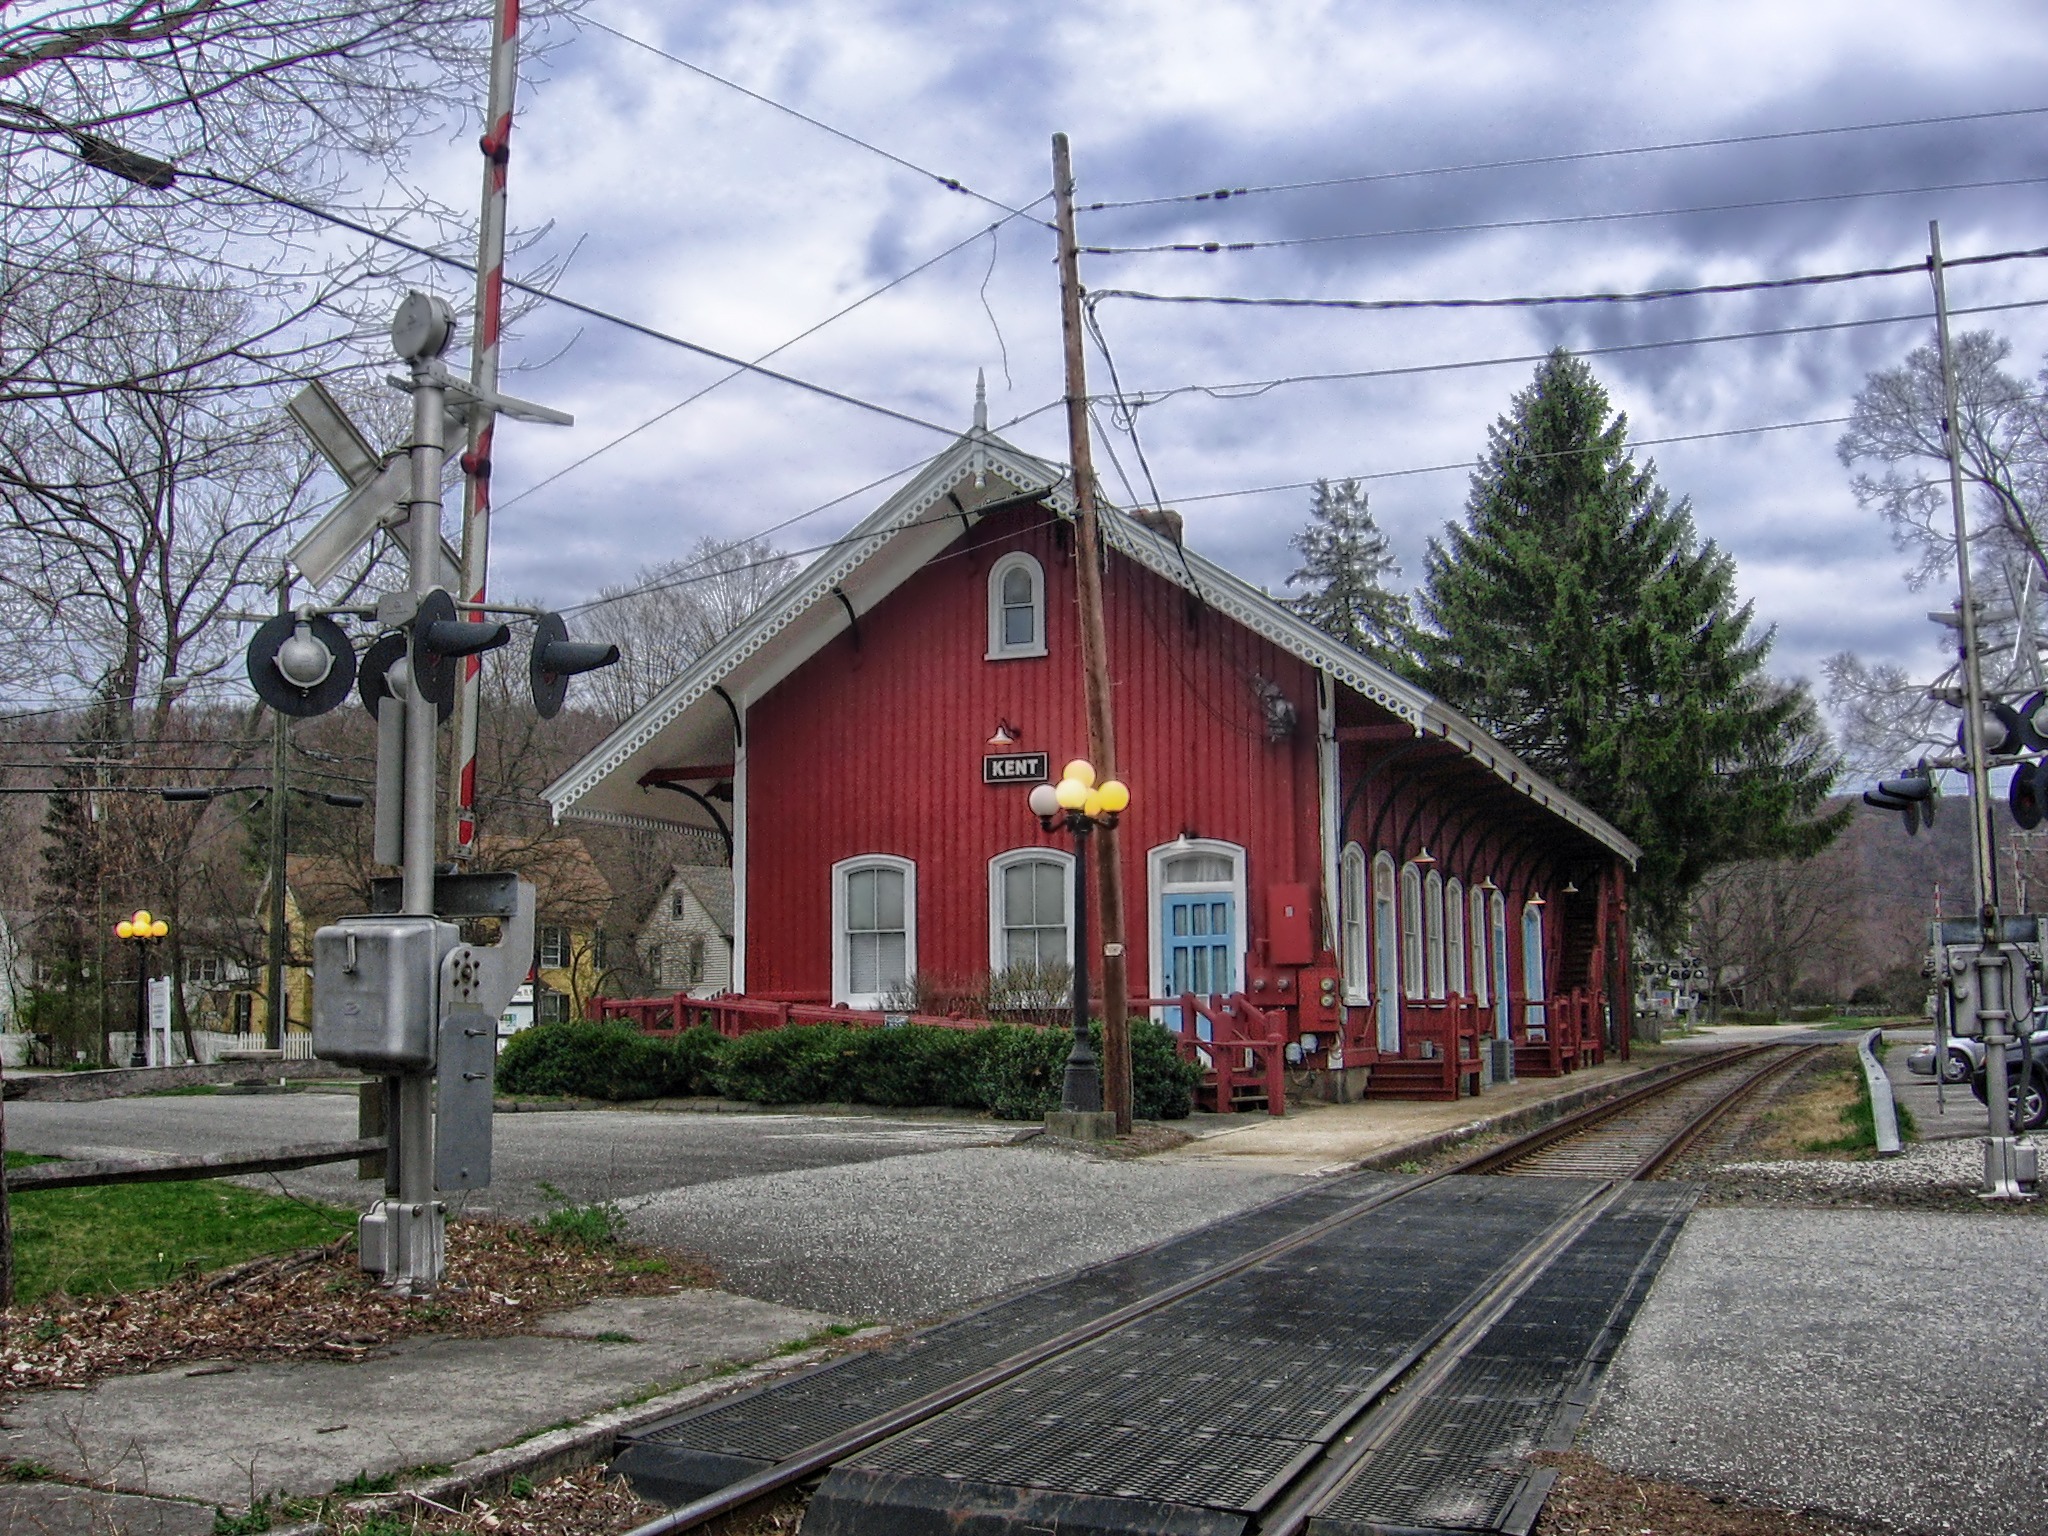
{"x": 483, "y": 378}
{"x": 1116, "y": 1038}
{"x": 1997, "y": 978}
{"x": 275, "y": 1016}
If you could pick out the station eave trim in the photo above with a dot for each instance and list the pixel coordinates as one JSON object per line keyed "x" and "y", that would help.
{"x": 976, "y": 454}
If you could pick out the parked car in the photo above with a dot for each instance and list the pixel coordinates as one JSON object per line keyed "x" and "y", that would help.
{"x": 2026, "y": 1090}
{"x": 1966, "y": 1057}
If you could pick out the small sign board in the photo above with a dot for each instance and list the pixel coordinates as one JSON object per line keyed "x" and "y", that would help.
{"x": 1014, "y": 768}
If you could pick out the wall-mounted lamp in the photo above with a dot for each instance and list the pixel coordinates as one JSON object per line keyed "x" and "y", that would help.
{"x": 1424, "y": 859}
{"x": 1537, "y": 900}
{"x": 1006, "y": 735}
{"x": 1486, "y": 885}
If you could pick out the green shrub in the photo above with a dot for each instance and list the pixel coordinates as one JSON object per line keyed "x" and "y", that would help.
{"x": 1809, "y": 1013}
{"x": 915, "y": 1065}
{"x": 694, "y": 1056}
{"x": 801, "y": 1064}
{"x": 587, "y": 1060}
{"x": 1018, "y": 1070}
{"x": 1162, "y": 1084}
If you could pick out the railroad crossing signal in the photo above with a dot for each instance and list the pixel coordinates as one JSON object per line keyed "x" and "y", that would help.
{"x": 1913, "y": 795}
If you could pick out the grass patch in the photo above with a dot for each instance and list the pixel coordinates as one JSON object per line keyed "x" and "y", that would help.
{"x": 599, "y": 1225}
{"x": 362, "y": 1483}
{"x": 824, "y": 1335}
{"x": 1814, "y": 1119}
{"x": 92, "y": 1242}
{"x": 182, "y": 1091}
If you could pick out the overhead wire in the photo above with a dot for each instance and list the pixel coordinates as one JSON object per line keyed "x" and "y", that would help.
{"x": 576, "y": 306}
{"x": 1251, "y": 388}
{"x": 1538, "y": 301}
{"x": 1568, "y": 156}
{"x": 950, "y": 183}
{"x": 838, "y": 314}
{"x": 1214, "y": 247}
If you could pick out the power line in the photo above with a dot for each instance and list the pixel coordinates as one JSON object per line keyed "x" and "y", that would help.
{"x": 1252, "y": 388}
{"x": 1213, "y": 247}
{"x": 312, "y": 210}
{"x": 1565, "y": 157}
{"x": 836, "y": 315}
{"x": 1535, "y": 301}
{"x": 1466, "y": 464}
{"x": 950, "y": 183}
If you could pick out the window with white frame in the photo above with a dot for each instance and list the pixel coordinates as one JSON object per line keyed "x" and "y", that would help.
{"x": 693, "y": 961}
{"x": 1454, "y": 936}
{"x": 874, "y": 928}
{"x": 1030, "y": 895}
{"x": 205, "y": 970}
{"x": 1532, "y": 952}
{"x": 678, "y": 904}
{"x": 1433, "y": 929}
{"x": 1411, "y": 931}
{"x": 1480, "y": 990}
{"x": 1386, "y": 954}
{"x": 1351, "y": 915}
{"x": 1016, "y": 607}
{"x": 553, "y": 943}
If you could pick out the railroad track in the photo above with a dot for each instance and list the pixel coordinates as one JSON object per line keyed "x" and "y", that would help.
{"x": 1365, "y": 1355}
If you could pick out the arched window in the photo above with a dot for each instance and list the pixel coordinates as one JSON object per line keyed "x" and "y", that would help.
{"x": 1433, "y": 929}
{"x": 1481, "y": 992}
{"x": 1351, "y": 914}
{"x": 1411, "y": 931}
{"x": 874, "y": 928}
{"x": 1454, "y": 935}
{"x": 1532, "y": 964}
{"x": 1016, "y": 608}
{"x": 1030, "y": 910}
{"x": 1386, "y": 933}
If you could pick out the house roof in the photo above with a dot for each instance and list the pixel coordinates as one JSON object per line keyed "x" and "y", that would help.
{"x": 693, "y": 720}
{"x": 712, "y": 886}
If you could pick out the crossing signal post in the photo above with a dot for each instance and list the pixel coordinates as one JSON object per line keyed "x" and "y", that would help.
{"x": 398, "y": 991}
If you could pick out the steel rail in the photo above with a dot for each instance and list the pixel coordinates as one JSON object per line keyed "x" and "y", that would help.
{"x": 1673, "y": 1149}
{"x": 1526, "y": 1265}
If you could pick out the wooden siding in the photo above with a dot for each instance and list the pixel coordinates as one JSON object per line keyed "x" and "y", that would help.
{"x": 875, "y": 746}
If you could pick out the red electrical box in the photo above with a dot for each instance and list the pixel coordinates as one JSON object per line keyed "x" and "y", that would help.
{"x": 1290, "y": 938}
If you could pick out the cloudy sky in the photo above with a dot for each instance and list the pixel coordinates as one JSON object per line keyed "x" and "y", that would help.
{"x": 684, "y": 204}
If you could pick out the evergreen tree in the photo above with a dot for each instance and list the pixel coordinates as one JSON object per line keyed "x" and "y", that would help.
{"x": 1344, "y": 563}
{"x": 1576, "y": 615}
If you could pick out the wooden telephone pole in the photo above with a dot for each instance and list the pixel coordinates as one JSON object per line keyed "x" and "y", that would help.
{"x": 1116, "y": 1036}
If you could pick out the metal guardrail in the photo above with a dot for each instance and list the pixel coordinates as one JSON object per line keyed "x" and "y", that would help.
{"x": 1884, "y": 1110}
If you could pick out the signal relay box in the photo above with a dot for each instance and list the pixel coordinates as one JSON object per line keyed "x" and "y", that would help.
{"x": 1957, "y": 960}
{"x": 376, "y": 991}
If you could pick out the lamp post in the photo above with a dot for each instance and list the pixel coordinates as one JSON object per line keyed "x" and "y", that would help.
{"x": 141, "y": 930}
{"x": 1081, "y": 805}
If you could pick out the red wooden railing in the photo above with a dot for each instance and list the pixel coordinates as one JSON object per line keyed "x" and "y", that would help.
{"x": 1570, "y": 1037}
{"x": 736, "y": 1016}
{"x": 1247, "y": 1045}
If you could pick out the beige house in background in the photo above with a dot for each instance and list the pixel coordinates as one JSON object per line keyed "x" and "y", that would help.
{"x": 686, "y": 942}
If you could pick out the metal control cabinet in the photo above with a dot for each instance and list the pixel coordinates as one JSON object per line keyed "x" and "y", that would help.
{"x": 376, "y": 991}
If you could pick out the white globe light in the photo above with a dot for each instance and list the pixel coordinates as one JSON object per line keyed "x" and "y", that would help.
{"x": 1045, "y": 801}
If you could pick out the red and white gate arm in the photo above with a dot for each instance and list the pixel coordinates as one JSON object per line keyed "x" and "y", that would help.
{"x": 483, "y": 376}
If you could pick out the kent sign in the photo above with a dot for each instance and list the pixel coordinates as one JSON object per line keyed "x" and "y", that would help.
{"x": 1014, "y": 768}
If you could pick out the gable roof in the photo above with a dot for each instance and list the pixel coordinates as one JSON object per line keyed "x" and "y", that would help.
{"x": 712, "y": 887}
{"x": 692, "y": 721}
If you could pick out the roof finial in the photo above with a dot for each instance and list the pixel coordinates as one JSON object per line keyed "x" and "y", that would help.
{"x": 980, "y": 400}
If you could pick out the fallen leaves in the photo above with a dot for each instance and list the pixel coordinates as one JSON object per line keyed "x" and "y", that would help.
{"x": 1590, "y": 1499}
{"x": 586, "y": 1502}
{"x": 315, "y": 1304}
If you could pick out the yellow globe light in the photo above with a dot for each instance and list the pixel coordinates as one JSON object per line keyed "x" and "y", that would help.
{"x": 159, "y": 928}
{"x": 1116, "y": 796}
{"x": 1081, "y": 771}
{"x": 141, "y": 919}
{"x": 124, "y": 929}
{"x": 1072, "y": 794}
{"x": 1092, "y": 806}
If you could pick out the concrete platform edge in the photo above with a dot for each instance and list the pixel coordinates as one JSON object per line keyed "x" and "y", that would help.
{"x": 1526, "y": 1118}
{"x": 581, "y": 1444}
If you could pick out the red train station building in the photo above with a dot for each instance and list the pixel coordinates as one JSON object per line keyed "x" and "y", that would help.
{"x": 1410, "y": 906}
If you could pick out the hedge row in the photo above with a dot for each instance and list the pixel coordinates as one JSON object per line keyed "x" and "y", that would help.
{"x": 1009, "y": 1069}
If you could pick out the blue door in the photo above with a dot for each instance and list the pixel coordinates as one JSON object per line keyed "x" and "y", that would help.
{"x": 1200, "y": 930}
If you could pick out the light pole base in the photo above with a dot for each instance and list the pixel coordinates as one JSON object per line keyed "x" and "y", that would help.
{"x": 1081, "y": 1124}
{"x": 404, "y": 1245}
{"x": 2012, "y": 1171}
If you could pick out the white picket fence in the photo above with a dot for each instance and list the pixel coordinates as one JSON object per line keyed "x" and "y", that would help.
{"x": 298, "y": 1045}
